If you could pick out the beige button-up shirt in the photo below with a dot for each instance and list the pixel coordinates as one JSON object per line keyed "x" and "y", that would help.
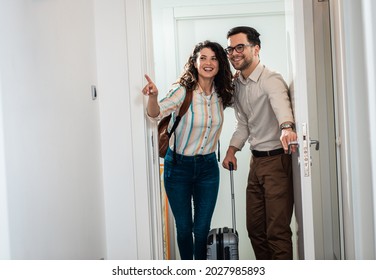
{"x": 261, "y": 104}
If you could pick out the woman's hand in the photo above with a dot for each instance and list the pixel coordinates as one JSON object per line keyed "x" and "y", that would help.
{"x": 150, "y": 89}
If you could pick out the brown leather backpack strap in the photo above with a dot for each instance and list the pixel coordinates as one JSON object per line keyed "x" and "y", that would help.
{"x": 186, "y": 103}
{"x": 183, "y": 109}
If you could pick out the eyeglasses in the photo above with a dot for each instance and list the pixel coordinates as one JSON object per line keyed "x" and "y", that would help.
{"x": 239, "y": 48}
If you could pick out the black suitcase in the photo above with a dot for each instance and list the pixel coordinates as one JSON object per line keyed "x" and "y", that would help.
{"x": 223, "y": 243}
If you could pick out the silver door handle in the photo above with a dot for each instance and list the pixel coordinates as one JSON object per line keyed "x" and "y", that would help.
{"x": 292, "y": 143}
{"x": 312, "y": 142}
{"x": 316, "y": 143}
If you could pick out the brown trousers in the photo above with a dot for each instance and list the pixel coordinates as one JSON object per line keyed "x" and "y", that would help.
{"x": 270, "y": 206}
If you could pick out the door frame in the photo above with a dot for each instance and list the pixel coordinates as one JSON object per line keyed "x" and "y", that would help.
{"x": 308, "y": 211}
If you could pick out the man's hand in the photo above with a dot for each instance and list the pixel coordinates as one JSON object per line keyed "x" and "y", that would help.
{"x": 287, "y": 136}
{"x": 230, "y": 157}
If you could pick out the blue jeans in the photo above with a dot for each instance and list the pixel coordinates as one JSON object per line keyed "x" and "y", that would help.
{"x": 197, "y": 178}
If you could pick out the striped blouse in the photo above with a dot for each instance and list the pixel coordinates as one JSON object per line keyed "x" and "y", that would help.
{"x": 199, "y": 129}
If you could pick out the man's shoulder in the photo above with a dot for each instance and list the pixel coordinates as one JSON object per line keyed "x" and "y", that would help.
{"x": 270, "y": 72}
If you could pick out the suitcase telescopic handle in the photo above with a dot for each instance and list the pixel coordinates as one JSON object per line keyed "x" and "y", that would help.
{"x": 231, "y": 168}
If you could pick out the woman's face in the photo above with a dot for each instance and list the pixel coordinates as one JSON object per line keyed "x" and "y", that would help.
{"x": 206, "y": 63}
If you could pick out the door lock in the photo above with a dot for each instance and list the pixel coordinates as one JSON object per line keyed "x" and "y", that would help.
{"x": 304, "y": 149}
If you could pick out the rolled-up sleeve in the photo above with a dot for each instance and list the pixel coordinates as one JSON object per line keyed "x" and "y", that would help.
{"x": 241, "y": 134}
{"x": 170, "y": 103}
{"x": 277, "y": 91}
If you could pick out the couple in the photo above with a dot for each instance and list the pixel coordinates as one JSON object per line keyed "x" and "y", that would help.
{"x": 264, "y": 116}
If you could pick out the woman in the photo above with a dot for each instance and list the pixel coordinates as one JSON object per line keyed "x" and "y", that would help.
{"x": 194, "y": 174}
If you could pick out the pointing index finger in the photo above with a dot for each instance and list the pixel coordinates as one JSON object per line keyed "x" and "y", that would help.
{"x": 148, "y": 78}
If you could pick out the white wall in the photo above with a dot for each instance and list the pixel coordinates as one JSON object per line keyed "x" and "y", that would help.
{"x": 51, "y": 133}
{"x": 70, "y": 190}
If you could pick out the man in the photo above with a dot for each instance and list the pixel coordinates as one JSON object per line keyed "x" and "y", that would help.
{"x": 264, "y": 118}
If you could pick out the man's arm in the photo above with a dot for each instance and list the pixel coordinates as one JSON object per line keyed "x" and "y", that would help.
{"x": 239, "y": 137}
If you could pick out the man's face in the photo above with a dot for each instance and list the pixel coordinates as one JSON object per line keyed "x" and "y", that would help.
{"x": 240, "y": 52}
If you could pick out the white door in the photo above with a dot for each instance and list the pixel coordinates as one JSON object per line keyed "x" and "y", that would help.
{"x": 298, "y": 89}
{"x": 317, "y": 236}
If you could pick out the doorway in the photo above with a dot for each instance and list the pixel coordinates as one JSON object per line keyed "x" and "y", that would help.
{"x": 178, "y": 26}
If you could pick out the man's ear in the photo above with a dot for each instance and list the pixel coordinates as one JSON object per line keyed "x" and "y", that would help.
{"x": 257, "y": 50}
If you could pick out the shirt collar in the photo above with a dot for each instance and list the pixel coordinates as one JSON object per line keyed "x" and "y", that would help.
{"x": 202, "y": 92}
{"x": 255, "y": 75}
